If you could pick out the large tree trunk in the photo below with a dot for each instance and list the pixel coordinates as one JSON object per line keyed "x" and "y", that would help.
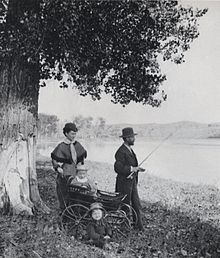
{"x": 18, "y": 130}
{"x": 19, "y": 82}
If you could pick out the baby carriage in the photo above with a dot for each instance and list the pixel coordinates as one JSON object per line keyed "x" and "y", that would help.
{"x": 76, "y": 217}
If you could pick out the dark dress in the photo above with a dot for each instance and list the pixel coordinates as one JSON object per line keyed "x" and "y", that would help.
{"x": 63, "y": 155}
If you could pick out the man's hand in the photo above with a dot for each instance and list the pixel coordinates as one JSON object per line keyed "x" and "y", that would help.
{"x": 134, "y": 169}
{"x": 137, "y": 169}
{"x": 140, "y": 169}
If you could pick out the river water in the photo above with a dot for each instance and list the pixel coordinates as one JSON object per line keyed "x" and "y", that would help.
{"x": 195, "y": 161}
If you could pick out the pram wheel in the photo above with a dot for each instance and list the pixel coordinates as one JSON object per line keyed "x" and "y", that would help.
{"x": 119, "y": 223}
{"x": 74, "y": 219}
{"x": 130, "y": 213}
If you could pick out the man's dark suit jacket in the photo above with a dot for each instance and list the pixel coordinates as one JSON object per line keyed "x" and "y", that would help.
{"x": 124, "y": 159}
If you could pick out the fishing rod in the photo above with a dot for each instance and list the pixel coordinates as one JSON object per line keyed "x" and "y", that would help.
{"x": 157, "y": 147}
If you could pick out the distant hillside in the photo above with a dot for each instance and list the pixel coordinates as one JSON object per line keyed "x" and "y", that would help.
{"x": 154, "y": 131}
{"x": 185, "y": 129}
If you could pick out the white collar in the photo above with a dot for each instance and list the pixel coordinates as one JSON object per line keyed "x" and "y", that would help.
{"x": 130, "y": 149}
{"x": 81, "y": 180}
{"x": 67, "y": 141}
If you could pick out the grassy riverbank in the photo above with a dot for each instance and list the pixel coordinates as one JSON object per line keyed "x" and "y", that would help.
{"x": 181, "y": 220}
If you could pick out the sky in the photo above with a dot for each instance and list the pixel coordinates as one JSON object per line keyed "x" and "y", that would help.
{"x": 193, "y": 88}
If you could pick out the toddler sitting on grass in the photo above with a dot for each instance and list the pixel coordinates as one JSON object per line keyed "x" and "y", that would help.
{"x": 99, "y": 232}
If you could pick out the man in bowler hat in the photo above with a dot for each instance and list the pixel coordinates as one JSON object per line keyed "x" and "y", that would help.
{"x": 126, "y": 167}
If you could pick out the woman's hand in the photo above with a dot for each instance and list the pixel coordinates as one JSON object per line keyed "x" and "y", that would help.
{"x": 60, "y": 171}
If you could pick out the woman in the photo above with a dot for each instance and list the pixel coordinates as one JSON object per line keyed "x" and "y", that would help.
{"x": 65, "y": 157}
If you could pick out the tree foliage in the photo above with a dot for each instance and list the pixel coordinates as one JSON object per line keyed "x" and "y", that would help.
{"x": 102, "y": 46}
{"x": 90, "y": 127}
{"x": 47, "y": 125}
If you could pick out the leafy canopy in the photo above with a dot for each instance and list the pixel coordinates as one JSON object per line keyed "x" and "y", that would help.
{"x": 103, "y": 46}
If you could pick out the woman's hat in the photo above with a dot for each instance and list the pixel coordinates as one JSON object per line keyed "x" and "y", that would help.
{"x": 70, "y": 127}
{"x": 127, "y": 132}
{"x": 96, "y": 205}
{"x": 81, "y": 167}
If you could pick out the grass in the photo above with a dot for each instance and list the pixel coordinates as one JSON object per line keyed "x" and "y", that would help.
{"x": 180, "y": 220}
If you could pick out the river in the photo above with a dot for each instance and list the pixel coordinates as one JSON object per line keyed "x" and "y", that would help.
{"x": 194, "y": 161}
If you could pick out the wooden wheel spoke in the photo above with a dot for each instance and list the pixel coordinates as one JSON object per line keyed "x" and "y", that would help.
{"x": 129, "y": 212}
{"x": 119, "y": 222}
{"x": 67, "y": 216}
{"x": 73, "y": 219}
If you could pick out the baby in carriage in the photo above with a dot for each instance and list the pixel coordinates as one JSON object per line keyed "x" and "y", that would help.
{"x": 81, "y": 179}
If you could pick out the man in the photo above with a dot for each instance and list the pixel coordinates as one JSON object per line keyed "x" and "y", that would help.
{"x": 126, "y": 167}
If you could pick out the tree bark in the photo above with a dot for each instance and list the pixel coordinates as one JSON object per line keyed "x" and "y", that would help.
{"x": 18, "y": 131}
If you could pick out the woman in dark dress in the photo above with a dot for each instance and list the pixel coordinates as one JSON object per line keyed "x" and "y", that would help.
{"x": 65, "y": 157}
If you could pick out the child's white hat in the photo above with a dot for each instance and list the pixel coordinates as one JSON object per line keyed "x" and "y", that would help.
{"x": 81, "y": 167}
{"x": 96, "y": 205}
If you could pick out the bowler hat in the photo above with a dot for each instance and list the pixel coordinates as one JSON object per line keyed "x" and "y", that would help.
{"x": 96, "y": 205}
{"x": 127, "y": 132}
{"x": 70, "y": 127}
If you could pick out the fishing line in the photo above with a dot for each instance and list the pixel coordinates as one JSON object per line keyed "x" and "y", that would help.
{"x": 157, "y": 147}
